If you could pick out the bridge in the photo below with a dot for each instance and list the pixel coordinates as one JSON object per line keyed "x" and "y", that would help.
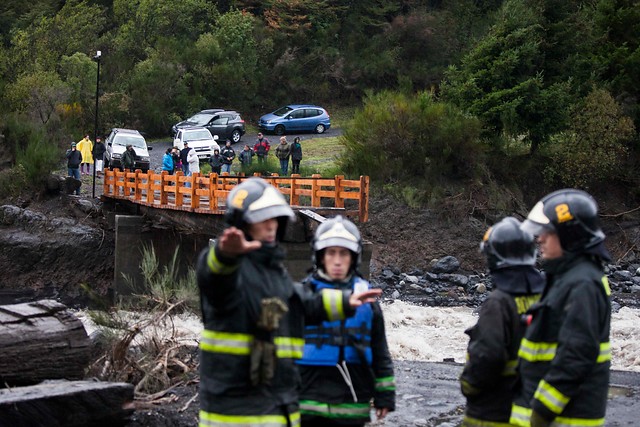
{"x": 206, "y": 194}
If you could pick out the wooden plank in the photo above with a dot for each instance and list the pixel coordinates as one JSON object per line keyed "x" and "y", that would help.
{"x": 66, "y": 403}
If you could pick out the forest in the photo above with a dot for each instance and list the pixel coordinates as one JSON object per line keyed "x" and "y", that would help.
{"x": 469, "y": 91}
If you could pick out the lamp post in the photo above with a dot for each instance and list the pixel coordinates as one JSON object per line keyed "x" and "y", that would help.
{"x": 95, "y": 124}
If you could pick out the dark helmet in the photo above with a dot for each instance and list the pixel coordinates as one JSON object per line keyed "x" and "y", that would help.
{"x": 339, "y": 232}
{"x": 507, "y": 245}
{"x": 572, "y": 215}
{"x": 255, "y": 200}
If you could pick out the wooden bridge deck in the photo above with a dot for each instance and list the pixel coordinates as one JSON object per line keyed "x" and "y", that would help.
{"x": 207, "y": 194}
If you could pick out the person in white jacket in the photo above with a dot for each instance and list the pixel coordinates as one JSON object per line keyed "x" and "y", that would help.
{"x": 194, "y": 163}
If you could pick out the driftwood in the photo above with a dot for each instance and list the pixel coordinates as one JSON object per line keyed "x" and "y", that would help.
{"x": 41, "y": 340}
{"x": 67, "y": 403}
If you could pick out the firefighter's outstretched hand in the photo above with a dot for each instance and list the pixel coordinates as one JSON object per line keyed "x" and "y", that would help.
{"x": 357, "y": 299}
{"x": 233, "y": 243}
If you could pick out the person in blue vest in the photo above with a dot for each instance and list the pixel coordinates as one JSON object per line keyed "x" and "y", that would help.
{"x": 346, "y": 366}
{"x": 489, "y": 378}
{"x": 254, "y": 315}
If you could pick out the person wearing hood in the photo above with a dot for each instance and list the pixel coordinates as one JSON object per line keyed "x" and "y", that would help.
{"x": 254, "y": 314}
{"x": 489, "y": 376}
{"x": 85, "y": 147}
{"x": 346, "y": 363}
{"x": 565, "y": 355}
{"x": 167, "y": 162}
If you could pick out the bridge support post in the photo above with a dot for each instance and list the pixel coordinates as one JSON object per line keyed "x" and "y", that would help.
{"x": 128, "y": 277}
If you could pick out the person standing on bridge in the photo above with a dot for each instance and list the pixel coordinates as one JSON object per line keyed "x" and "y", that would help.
{"x": 489, "y": 376}
{"x": 129, "y": 159}
{"x": 167, "y": 162}
{"x": 283, "y": 152}
{"x": 254, "y": 315}
{"x": 261, "y": 148}
{"x": 346, "y": 363}
{"x": 228, "y": 154}
{"x": 183, "y": 158}
{"x": 215, "y": 161}
{"x": 565, "y": 355}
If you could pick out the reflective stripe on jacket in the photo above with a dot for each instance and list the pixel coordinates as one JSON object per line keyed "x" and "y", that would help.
{"x": 565, "y": 356}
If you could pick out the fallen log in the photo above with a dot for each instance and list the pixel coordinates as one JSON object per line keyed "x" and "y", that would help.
{"x": 67, "y": 403}
{"x": 41, "y": 340}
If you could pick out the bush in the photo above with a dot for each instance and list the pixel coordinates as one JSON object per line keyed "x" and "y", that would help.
{"x": 594, "y": 148}
{"x": 398, "y": 136}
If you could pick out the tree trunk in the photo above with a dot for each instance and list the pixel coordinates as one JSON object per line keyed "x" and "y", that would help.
{"x": 41, "y": 340}
{"x": 67, "y": 404}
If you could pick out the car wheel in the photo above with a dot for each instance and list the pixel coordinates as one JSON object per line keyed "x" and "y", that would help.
{"x": 320, "y": 128}
{"x": 279, "y": 130}
{"x": 235, "y": 136}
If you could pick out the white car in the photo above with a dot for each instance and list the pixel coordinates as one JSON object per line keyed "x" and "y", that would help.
{"x": 199, "y": 139}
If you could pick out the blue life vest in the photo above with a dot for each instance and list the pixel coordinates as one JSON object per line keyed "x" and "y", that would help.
{"x": 331, "y": 342}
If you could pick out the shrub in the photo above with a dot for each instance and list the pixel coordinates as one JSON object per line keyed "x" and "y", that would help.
{"x": 398, "y": 136}
{"x": 594, "y": 148}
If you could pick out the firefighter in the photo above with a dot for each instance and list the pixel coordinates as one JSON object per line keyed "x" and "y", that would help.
{"x": 254, "y": 315}
{"x": 489, "y": 376}
{"x": 346, "y": 364}
{"x": 565, "y": 356}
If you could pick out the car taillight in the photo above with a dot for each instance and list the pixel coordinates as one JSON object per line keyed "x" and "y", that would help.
{"x": 241, "y": 121}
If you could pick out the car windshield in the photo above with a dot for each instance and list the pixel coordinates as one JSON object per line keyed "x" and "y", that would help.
{"x": 282, "y": 111}
{"x": 136, "y": 141}
{"x": 200, "y": 118}
{"x": 197, "y": 135}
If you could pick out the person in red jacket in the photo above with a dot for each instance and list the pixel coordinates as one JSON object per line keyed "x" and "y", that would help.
{"x": 261, "y": 148}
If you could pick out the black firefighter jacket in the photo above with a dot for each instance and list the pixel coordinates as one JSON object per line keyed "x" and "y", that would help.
{"x": 231, "y": 296}
{"x": 565, "y": 355}
{"x": 492, "y": 353}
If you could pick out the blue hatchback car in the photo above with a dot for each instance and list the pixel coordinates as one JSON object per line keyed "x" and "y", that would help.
{"x": 295, "y": 118}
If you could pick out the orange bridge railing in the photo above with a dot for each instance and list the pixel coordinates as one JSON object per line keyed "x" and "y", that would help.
{"x": 207, "y": 193}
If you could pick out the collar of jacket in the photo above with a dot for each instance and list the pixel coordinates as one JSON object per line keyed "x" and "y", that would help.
{"x": 321, "y": 276}
{"x": 521, "y": 280}
{"x": 269, "y": 255}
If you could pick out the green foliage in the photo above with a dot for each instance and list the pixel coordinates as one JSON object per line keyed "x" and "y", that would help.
{"x": 12, "y": 182}
{"x": 37, "y": 94}
{"x": 595, "y": 147}
{"x": 397, "y": 136}
{"x": 38, "y": 159}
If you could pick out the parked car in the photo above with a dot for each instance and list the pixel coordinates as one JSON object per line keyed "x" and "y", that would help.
{"x": 117, "y": 142}
{"x": 224, "y": 123}
{"x": 295, "y": 118}
{"x": 199, "y": 139}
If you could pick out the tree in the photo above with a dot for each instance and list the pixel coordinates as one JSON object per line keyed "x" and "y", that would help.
{"x": 38, "y": 95}
{"x": 514, "y": 79}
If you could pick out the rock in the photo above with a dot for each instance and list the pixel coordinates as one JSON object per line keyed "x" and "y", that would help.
{"x": 429, "y": 291}
{"x": 415, "y": 287}
{"x": 395, "y": 294}
{"x": 420, "y": 422}
{"x": 448, "y": 264}
{"x": 71, "y": 184}
{"x": 387, "y": 274}
{"x": 458, "y": 279}
{"x": 86, "y": 206}
{"x": 54, "y": 183}
{"x": 411, "y": 279}
{"x": 481, "y": 288}
{"x": 622, "y": 275}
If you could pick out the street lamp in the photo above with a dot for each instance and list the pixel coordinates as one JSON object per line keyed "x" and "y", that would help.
{"x": 95, "y": 124}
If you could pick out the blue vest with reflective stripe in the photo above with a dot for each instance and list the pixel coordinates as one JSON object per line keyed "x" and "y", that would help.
{"x": 331, "y": 342}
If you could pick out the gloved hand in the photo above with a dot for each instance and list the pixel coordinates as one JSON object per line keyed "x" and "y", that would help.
{"x": 467, "y": 389}
{"x": 538, "y": 421}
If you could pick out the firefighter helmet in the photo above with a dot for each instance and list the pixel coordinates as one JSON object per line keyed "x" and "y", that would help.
{"x": 253, "y": 201}
{"x": 505, "y": 244}
{"x": 571, "y": 214}
{"x": 339, "y": 232}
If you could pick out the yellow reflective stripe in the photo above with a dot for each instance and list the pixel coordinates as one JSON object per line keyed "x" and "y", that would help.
{"x": 468, "y": 421}
{"x": 524, "y": 302}
{"x": 288, "y": 347}
{"x": 210, "y": 419}
{"x": 510, "y": 368}
{"x": 520, "y": 416}
{"x": 218, "y": 267}
{"x": 335, "y": 410}
{"x": 385, "y": 384}
{"x": 605, "y": 352}
{"x": 332, "y": 300}
{"x": 537, "y": 351}
{"x": 226, "y": 342}
{"x": 578, "y": 422}
{"x": 605, "y": 283}
{"x": 551, "y": 397}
